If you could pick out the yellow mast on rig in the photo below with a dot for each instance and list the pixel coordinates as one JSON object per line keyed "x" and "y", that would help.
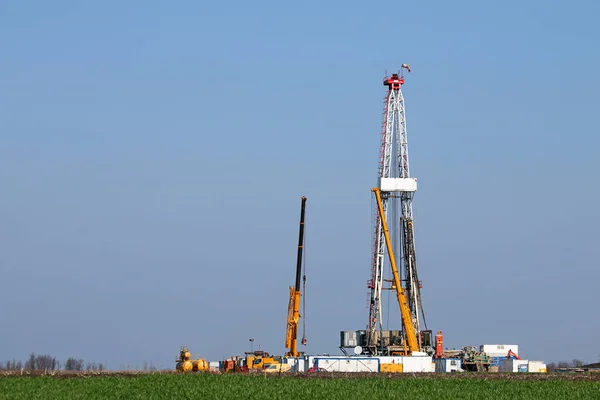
{"x": 291, "y": 333}
{"x": 407, "y": 323}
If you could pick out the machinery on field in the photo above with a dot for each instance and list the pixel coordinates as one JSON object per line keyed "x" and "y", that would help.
{"x": 185, "y": 363}
{"x": 474, "y": 360}
{"x": 252, "y": 362}
{"x": 291, "y": 333}
{"x": 257, "y": 360}
{"x": 409, "y": 349}
{"x": 261, "y": 360}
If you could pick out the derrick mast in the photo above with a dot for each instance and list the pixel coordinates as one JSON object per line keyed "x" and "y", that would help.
{"x": 397, "y": 189}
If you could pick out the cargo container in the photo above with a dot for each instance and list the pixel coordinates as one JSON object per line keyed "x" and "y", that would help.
{"x": 536, "y": 366}
{"x": 369, "y": 364}
{"x": 497, "y": 361}
{"x": 391, "y": 368}
{"x": 297, "y": 364}
{"x": 347, "y": 364}
{"x": 448, "y": 365}
{"x": 348, "y": 339}
{"x": 418, "y": 362}
{"x": 498, "y": 350}
{"x": 513, "y": 365}
{"x": 524, "y": 367}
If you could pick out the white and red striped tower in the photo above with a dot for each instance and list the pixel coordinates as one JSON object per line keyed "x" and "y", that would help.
{"x": 397, "y": 190}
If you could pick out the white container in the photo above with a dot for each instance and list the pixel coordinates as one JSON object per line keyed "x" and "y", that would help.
{"x": 498, "y": 350}
{"x": 448, "y": 365}
{"x": 296, "y": 364}
{"x": 513, "y": 365}
{"x": 418, "y": 364}
{"x": 537, "y": 366}
{"x": 414, "y": 363}
{"x": 348, "y": 364}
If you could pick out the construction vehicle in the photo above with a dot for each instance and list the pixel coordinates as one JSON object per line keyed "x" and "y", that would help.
{"x": 512, "y": 354}
{"x": 291, "y": 333}
{"x": 185, "y": 363}
{"x": 407, "y": 323}
{"x": 252, "y": 362}
{"x": 257, "y": 360}
{"x": 277, "y": 368}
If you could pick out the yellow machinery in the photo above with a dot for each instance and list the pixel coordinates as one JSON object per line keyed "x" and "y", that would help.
{"x": 186, "y": 364}
{"x": 200, "y": 365}
{"x": 407, "y": 323}
{"x": 252, "y": 362}
{"x": 291, "y": 333}
{"x": 277, "y": 368}
{"x": 258, "y": 360}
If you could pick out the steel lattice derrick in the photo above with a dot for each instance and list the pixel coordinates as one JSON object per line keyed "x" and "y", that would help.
{"x": 397, "y": 187}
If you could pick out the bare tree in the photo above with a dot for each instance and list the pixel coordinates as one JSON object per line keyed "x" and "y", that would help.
{"x": 577, "y": 363}
{"x": 91, "y": 366}
{"x": 73, "y": 364}
{"x": 45, "y": 362}
{"x": 30, "y": 364}
{"x": 41, "y": 362}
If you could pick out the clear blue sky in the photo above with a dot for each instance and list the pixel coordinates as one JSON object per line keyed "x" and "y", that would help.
{"x": 153, "y": 155}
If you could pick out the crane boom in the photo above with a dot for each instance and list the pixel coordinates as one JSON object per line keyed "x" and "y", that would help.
{"x": 407, "y": 323}
{"x": 294, "y": 302}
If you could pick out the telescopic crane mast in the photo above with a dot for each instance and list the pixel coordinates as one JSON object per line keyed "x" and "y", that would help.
{"x": 295, "y": 294}
{"x": 409, "y": 329}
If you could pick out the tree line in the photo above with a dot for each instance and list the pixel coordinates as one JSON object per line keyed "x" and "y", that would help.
{"x": 551, "y": 367}
{"x": 46, "y": 362}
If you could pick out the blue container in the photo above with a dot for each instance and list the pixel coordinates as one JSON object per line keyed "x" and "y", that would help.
{"x": 523, "y": 368}
{"x": 496, "y": 361}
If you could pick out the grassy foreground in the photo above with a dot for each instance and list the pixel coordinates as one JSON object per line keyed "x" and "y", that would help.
{"x": 217, "y": 387}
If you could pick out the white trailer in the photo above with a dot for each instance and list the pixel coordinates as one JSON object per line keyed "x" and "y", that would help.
{"x": 347, "y": 364}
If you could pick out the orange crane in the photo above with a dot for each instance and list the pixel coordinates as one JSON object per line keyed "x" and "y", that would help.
{"x": 291, "y": 333}
{"x": 407, "y": 322}
{"x": 512, "y": 353}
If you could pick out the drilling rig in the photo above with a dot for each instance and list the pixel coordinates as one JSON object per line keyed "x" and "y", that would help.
{"x": 394, "y": 195}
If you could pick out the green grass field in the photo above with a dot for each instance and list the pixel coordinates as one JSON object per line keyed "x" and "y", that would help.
{"x": 216, "y": 387}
